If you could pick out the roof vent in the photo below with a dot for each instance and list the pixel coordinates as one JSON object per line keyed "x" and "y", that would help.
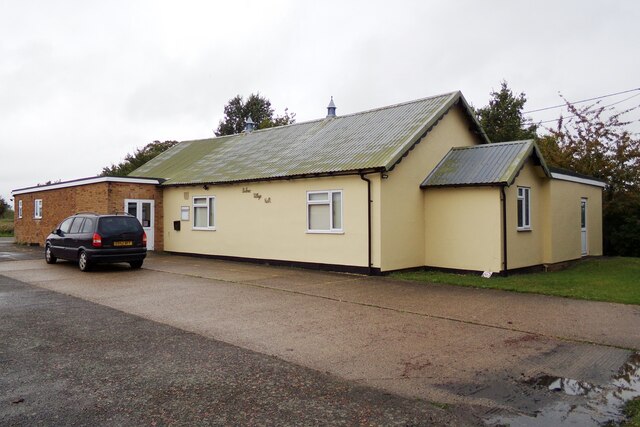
{"x": 249, "y": 126}
{"x": 331, "y": 109}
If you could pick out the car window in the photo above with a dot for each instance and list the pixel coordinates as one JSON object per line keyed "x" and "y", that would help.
{"x": 66, "y": 225}
{"x": 75, "y": 227}
{"x": 118, "y": 224}
{"x": 87, "y": 227}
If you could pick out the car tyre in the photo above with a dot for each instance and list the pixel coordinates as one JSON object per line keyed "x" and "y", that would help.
{"x": 135, "y": 264}
{"x": 83, "y": 261}
{"x": 48, "y": 255}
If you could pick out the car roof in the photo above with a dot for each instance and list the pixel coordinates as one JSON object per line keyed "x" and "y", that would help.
{"x": 118, "y": 214}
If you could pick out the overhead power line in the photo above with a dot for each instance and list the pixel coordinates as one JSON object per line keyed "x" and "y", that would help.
{"x": 581, "y": 101}
{"x": 606, "y": 106}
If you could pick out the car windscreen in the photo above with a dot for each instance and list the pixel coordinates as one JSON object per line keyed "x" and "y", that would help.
{"x": 113, "y": 225}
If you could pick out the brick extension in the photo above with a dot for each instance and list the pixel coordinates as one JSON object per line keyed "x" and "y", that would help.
{"x": 59, "y": 203}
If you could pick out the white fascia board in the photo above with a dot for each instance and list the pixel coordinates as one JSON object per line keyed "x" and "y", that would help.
{"x": 579, "y": 180}
{"x": 84, "y": 181}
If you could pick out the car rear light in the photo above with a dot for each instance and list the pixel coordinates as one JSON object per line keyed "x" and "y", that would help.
{"x": 97, "y": 241}
{"x": 144, "y": 239}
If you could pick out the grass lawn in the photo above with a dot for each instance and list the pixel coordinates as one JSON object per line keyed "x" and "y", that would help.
{"x": 6, "y": 227}
{"x": 632, "y": 411}
{"x": 614, "y": 279}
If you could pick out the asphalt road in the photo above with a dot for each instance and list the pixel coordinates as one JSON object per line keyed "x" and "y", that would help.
{"x": 67, "y": 361}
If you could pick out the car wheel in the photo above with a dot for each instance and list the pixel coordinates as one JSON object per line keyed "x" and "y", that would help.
{"x": 83, "y": 261}
{"x": 135, "y": 264}
{"x": 48, "y": 256}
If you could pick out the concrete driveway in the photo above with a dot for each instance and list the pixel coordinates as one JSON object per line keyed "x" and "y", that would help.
{"x": 490, "y": 351}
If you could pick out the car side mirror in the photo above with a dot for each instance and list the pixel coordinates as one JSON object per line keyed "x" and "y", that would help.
{"x": 57, "y": 231}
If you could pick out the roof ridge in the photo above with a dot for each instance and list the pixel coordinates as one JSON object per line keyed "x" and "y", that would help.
{"x": 399, "y": 104}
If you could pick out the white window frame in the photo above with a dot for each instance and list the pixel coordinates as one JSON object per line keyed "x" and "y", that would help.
{"x": 19, "y": 208}
{"x": 524, "y": 195}
{"x": 37, "y": 209}
{"x": 329, "y": 202}
{"x": 209, "y": 227}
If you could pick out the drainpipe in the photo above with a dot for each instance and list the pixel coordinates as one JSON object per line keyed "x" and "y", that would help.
{"x": 362, "y": 177}
{"x": 503, "y": 199}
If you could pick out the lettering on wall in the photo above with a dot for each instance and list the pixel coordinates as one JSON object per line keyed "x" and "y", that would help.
{"x": 257, "y": 196}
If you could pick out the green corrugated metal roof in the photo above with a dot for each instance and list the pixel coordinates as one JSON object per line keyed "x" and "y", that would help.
{"x": 489, "y": 164}
{"x": 375, "y": 139}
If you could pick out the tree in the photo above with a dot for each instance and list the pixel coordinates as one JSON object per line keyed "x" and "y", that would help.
{"x": 594, "y": 140}
{"x": 5, "y": 208}
{"x": 140, "y": 157}
{"x": 502, "y": 119}
{"x": 258, "y": 108}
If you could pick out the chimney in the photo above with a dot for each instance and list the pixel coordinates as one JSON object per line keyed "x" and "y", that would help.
{"x": 331, "y": 109}
{"x": 249, "y": 126}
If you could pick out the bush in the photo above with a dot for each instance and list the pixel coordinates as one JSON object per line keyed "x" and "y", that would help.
{"x": 6, "y": 228}
{"x": 621, "y": 225}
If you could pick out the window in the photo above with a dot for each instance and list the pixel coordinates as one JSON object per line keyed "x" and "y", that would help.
{"x": 524, "y": 208}
{"x": 37, "y": 209}
{"x": 324, "y": 211}
{"x": 204, "y": 213}
{"x": 75, "y": 227}
{"x": 66, "y": 225}
{"x": 19, "y": 208}
{"x": 118, "y": 225}
{"x": 87, "y": 226}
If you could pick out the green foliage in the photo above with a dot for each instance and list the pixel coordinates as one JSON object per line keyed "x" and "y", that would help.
{"x": 632, "y": 412}
{"x": 502, "y": 119}
{"x": 258, "y": 108}
{"x": 598, "y": 279}
{"x": 4, "y": 207}
{"x": 6, "y": 227}
{"x": 621, "y": 223}
{"x": 594, "y": 140}
{"x": 140, "y": 157}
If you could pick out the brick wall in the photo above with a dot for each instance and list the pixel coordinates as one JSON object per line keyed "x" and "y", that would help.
{"x": 119, "y": 191}
{"x": 57, "y": 204}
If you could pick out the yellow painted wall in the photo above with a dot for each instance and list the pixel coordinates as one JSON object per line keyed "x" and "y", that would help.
{"x": 564, "y": 235}
{"x": 401, "y": 203}
{"x": 525, "y": 248}
{"x": 250, "y": 228}
{"x": 463, "y": 228}
{"x": 555, "y": 220}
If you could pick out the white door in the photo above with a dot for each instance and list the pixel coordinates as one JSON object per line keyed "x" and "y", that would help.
{"x": 144, "y": 211}
{"x": 583, "y": 225}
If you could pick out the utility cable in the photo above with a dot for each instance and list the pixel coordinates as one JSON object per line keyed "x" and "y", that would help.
{"x": 606, "y": 106}
{"x": 581, "y": 101}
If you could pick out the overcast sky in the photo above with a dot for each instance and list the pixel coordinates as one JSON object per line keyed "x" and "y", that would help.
{"x": 83, "y": 83}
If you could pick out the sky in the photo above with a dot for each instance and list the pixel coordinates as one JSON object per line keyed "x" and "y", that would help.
{"x": 83, "y": 83}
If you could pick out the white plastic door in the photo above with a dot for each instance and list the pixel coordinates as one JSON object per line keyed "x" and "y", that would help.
{"x": 144, "y": 210}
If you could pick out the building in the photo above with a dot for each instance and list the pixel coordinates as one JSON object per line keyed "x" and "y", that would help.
{"x": 411, "y": 185}
{"x": 39, "y": 209}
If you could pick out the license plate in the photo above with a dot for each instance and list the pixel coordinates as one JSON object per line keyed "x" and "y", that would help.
{"x": 123, "y": 243}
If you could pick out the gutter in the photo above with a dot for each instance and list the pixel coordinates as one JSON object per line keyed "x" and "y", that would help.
{"x": 369, "y": 201}
{"x": 351, "y": 172}
{"x": 503, "y": 199}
